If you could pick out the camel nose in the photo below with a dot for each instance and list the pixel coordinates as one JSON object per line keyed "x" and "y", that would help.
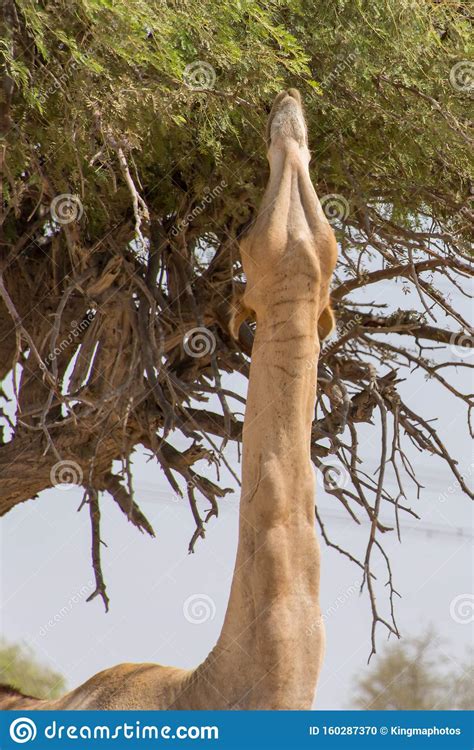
{"x": 295, "y": 94}
{"x": 292, "y": 93}
{"x": 286, "y": 117}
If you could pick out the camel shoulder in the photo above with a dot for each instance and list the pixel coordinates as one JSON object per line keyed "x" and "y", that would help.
{"x": 123, "y": 687}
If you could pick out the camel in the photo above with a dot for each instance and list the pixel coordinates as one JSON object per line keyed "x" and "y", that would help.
{"x": 270, "y": 649}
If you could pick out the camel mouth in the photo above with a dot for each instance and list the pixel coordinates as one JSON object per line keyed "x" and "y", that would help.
{"x": 286, "y": 119}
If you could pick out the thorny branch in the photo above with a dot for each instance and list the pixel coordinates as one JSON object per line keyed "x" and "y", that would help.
{"x": 92, "y": 500}
{"x": 116, "y": 320}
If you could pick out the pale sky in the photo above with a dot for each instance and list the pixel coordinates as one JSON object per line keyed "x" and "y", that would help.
{"x": 46, "y": 571}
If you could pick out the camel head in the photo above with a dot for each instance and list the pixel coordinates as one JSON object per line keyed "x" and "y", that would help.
{"x": 286, "y": 122}
{"x": 290, "y": 247}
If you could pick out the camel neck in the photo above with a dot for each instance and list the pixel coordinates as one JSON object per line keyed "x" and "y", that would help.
{"x": 270, "y": 648}
{"x": 273, "y": 605}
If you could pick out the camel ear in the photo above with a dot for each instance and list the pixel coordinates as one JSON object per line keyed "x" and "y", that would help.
{"x": 238, "y": 314}
{"x": 326, "y": 323}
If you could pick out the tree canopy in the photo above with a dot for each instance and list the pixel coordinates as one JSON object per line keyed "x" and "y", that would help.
{"x": 133, "y": 158}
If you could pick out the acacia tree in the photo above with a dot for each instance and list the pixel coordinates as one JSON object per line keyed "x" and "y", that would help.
{"x": 132, "y": 160}
{"x": 416, "y": 675}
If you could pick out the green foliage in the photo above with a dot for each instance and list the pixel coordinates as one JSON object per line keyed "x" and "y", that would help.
{"x": 89, "y": 66}
{"x": 20, "y": 669}
{"x": 416, "y": 674}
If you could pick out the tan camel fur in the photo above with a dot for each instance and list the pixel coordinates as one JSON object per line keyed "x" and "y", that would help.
{"x": 269, "y": 652}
